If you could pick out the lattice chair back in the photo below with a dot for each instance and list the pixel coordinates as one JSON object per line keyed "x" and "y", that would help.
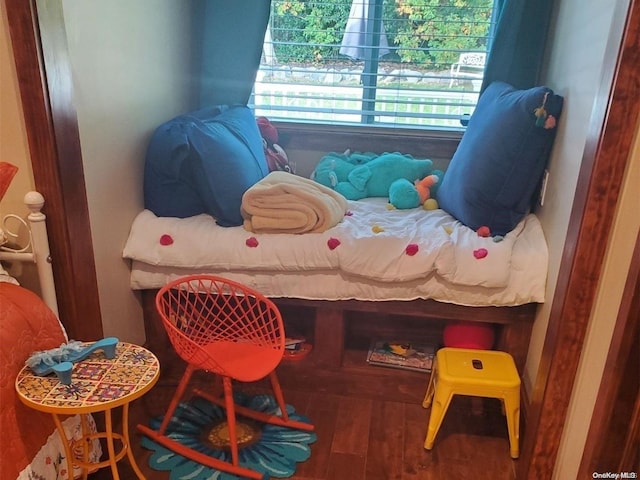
{"x": 222, "y": 326}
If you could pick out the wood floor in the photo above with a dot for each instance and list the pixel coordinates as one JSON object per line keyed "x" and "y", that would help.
{"x": 369, "y": 422}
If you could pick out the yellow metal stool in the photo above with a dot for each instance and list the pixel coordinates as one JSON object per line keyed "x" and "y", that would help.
{"x": 479, "y": 373}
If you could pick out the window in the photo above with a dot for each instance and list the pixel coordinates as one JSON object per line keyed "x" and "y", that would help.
{"x": 404, "y": 63}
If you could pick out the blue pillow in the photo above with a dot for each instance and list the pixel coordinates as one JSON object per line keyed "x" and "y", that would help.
{"x": 203, "y": 162}
{"x": 497, "y": 168}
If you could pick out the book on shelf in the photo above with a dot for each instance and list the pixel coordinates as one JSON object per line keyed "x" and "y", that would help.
{"x": 402, "y": 354}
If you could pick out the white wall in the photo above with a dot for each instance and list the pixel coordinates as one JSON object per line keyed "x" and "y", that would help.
{"x": 580, "y": 34}
{"x": 130, "y": 64}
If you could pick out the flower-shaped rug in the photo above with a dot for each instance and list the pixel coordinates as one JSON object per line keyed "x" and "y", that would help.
{"x": 201, "y": 425}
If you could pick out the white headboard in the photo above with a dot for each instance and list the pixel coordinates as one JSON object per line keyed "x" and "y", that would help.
{"x": 37, "y": 248}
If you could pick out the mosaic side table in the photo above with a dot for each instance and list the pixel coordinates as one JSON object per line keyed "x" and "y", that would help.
{"x": 98, "y": 384}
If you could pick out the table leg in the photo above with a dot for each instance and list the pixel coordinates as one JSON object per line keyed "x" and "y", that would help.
{"x": 110, "y": 445}
{"x": 65, "y": 444}
{"x": 86, "y": 444}
{"x": 125, "y": 434}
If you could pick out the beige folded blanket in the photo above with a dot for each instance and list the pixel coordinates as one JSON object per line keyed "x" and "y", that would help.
{"x": 286, "y": 203}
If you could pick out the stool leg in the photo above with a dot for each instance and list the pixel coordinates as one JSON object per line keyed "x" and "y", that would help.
{"x": 512, "y": 412}
{"x": 428, "y": 396}
{"x": 441, "y": 401}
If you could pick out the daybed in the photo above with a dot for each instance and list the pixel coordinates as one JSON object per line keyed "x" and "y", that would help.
{"x": 372, "y": 269}
{"x": 413, "y": 262}
{"x": 30, "y": 446}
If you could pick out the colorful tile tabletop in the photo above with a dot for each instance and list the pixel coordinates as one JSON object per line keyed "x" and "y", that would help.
{"x": 97, "y": 382}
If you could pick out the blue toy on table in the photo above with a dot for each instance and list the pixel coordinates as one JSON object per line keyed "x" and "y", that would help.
{"x": 60, "y": 360}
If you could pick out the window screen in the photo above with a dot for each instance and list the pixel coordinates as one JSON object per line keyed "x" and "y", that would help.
{"x": 405, "y": 63}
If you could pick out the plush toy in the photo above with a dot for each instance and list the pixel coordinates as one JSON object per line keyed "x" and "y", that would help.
{"x": 334, "y": 168}
{"x": 403, "y": 194}
{"x": 424, "y": 187}
{"x": 374, "y": 178}
{"x": 275, "y": 155}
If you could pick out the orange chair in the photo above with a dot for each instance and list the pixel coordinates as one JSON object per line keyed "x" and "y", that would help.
{"x": 228, "y": 329}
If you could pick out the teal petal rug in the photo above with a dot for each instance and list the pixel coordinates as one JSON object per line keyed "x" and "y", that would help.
{"x": 201, "y": 425}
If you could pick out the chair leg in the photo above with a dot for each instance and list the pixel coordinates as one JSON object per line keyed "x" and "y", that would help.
{"x": 182, "y": 386}
{"x": 231, "y": 418}
{"x": 286, "y": 421}
{"x": 277, "y": 392}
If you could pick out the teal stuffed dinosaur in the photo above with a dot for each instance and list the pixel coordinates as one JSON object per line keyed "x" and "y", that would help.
{"x": 334, "y": 168}
{"x": 374, "y": 178}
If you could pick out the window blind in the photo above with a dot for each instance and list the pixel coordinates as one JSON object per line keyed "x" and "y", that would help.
{"x": 405, "y": 63}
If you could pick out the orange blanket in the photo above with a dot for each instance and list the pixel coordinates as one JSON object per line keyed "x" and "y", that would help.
{"x": 27, "y": 325}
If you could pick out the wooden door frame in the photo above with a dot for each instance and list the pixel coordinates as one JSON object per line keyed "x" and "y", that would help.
{"x": 51, "y": 123}
{"x": 46, "y": 91}
{"x": 622, "y": 350}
